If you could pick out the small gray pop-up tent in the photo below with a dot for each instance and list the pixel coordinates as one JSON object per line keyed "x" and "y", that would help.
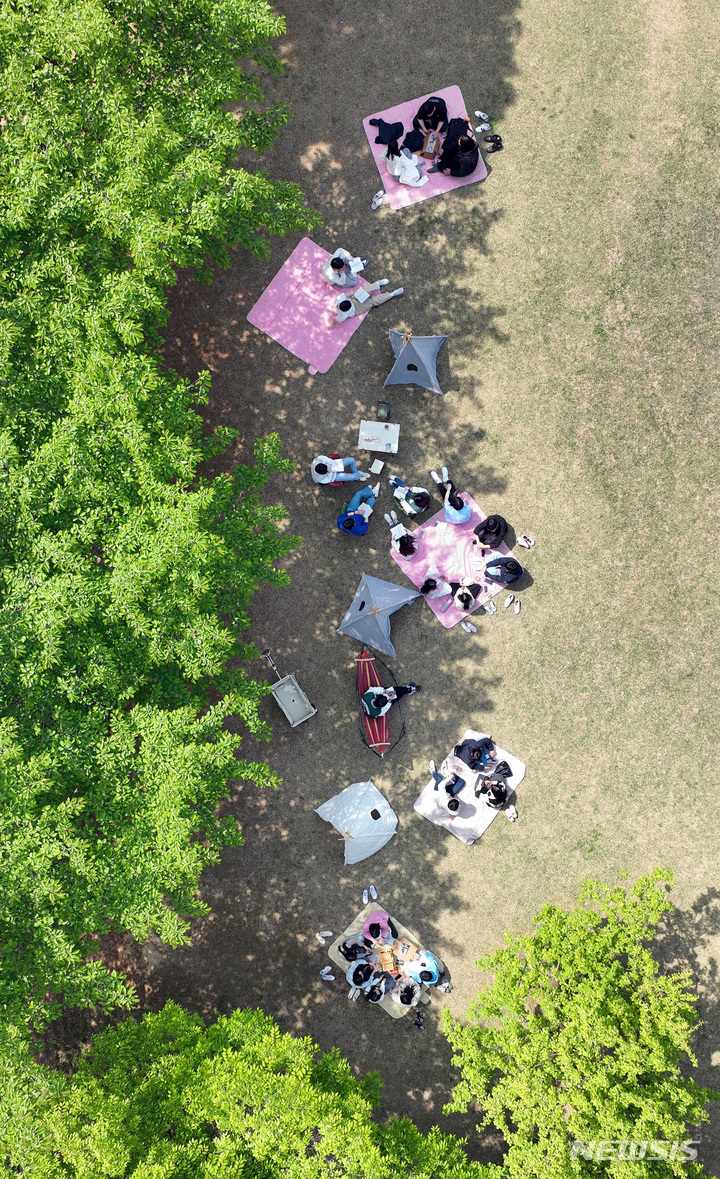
{"x": 415, "y": 358}
{"x": 368, "y": 618}
{"x": 363, "y": 817}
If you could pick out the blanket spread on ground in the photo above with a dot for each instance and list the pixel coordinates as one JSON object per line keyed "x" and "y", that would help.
{"x": 473, "y": 817}
{"x": 298, "y": 309}
{"x": 354, "y": 928}
{"x": 449, "y": 547}
{"x": 397, "y": 195}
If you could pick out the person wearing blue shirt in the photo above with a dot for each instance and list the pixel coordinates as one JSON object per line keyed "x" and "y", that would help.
{"x": 456, "y": 510}
{"x": 355, "y": 517}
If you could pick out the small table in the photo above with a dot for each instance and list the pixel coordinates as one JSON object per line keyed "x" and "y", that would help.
{"x": 383, "y": 436}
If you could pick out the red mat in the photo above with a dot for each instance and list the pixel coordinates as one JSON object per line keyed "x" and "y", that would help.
{"x": 377, "y": 731}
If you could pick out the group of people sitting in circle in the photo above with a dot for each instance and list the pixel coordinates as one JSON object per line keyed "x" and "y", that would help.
{"x": 450, "y": 143}
{"x": 413, "y": 500}
{"x": 381, "y": 963}
{"x": 491, "y": 784}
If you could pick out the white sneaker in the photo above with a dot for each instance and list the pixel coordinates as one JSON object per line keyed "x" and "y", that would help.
{"x": 373, "y": 892}
{"x": 516, "y": 607}
{"x": 388, "y": 519}
{"x": 431, "y": 766}
{"x": 483, "y": 127}
{"x": 327, "y": 977}
{"x": 511, "y": 814}
{"x": 363, "y": 475}
{"x": 365, "y": 896}
{"x": 468, "y": 626}
{"x": 481, "y": 115}
{"x": 326, "y": 933}
{"x": 490, "y": 607}
{"x": 525, "y": 541}
{"x": 509, "y": 600}
{"x": 320, "y": 938}
{"x": 354, "y": 993}
{"x": 399, "y": 291}
{"x": 394, "y": 516}
{"x": 383, "y": 282}
{"x": 325, "y": 970}
{"x": 376, "y": 490}
{"x": 376, "y": 203}
{"x": 445, "y": 475}
{"x": 434, "y": 475}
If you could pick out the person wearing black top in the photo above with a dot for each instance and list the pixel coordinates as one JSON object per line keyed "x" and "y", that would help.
{"x": 491, "y": 532}
{"x": 432, "y": 116}
{"x": 460, "y": 154}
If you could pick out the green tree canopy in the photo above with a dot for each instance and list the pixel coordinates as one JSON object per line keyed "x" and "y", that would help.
{"x": 581, "y": 1038}
{"x": 168, "y": 1098}
{"x": 125, "y": 574}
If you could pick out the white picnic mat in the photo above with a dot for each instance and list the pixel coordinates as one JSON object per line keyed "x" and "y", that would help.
{"x": 473, "y": 816}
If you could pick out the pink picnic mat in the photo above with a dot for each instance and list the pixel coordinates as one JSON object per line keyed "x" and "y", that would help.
{"x": 397, "y": 195}
{"x": 449, "y": 548}
{"x": 298, "y": 309}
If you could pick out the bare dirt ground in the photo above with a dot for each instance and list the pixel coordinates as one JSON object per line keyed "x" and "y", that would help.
{"x": 579, "y": 289}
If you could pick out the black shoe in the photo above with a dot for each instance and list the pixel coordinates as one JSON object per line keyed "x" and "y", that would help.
{"x": 493, "y": 138}
{"x": 415, "y": 687}
{"x": 493, "y": 147}
{"x": 419, "y": 1023}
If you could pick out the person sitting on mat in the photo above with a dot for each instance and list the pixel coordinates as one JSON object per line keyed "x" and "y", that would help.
{"x": 475, "y": 752}
{"x": 434, "y": 585}
{"x": 354, "y": 948}
{"x": 406, "y": 992}
{"x": 404, "y": 165}
{"x": 432, "y": 116}
{"x": 456, "y": 510}
{"x": 335, "y": 470}
{"x": 403, "y": 540}
{"x": 342, "y": 269}
{"x": 364, "y": 300}
{"x": 503, "y": 570}
{"x": 381, "y": 985}
{"x": 465, "y": 595}
{"x": 495, "y": 793}
{"x": 379, "y": 928}
{"x": 491, "y": 532}
{"x": 412, "y": 500}
{"x": 361, "y": 974}
{"x": 460, "y": 153}
{"x": 424, "y": 969}
{"x": 377, "y": 701}
{"x": 355, "y": 517}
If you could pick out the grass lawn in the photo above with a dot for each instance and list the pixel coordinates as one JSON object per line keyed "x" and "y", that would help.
{"x": 579, "y": 286}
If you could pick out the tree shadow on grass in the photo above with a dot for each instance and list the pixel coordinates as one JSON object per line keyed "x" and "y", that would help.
{"x": 269, "y": 897}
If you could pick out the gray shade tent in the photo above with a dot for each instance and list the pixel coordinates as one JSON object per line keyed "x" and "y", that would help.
{"x": 415, "y": 358}
{"x": 368, "y": 618}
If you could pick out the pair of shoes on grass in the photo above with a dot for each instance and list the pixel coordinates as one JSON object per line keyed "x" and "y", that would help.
{"x": 509, "y": 601}
{"x": 373, "y": 894}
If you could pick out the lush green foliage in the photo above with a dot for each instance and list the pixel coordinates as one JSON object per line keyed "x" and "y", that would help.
{"x": 581, "y": 1038}
{"x": 124, "y": 576}
{"x": 172, "y": 1099}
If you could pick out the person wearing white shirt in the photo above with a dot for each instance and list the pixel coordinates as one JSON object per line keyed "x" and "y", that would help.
{"x": 335, "y": 470}
{"x": 342, "y": 269}
{"x": 403, "y": 165}
{"x": 363, "y": 300}
{"x": 404, "y": 541}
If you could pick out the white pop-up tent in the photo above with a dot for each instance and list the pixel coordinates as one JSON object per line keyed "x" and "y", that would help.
{"x": 363, "y": 817}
